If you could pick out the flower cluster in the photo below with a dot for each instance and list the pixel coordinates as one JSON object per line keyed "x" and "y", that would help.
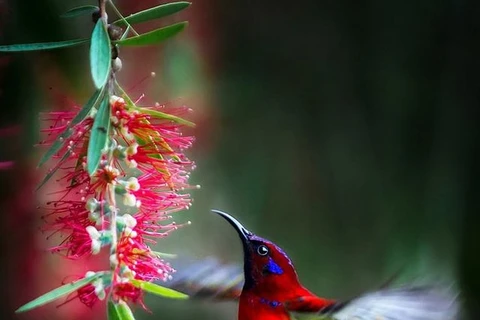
{"x": 127, "y": 203}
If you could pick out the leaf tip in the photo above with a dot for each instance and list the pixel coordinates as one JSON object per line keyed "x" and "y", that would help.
{"x": 20, "y": 310}
{"x": 91, "y": 169}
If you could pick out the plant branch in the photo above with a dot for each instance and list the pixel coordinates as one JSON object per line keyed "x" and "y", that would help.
{"x": 110, "y": 192}
{"x": 102, "y": 4}
{"x": 129, "y": 26}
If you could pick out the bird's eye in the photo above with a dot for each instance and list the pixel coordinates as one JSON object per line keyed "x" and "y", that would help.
{"x": 262, "y": 250}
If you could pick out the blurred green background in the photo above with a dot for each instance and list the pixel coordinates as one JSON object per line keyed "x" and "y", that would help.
{"x": 345, "y": 131}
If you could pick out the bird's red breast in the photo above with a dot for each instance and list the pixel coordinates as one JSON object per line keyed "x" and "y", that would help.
{"x": 255, "y": 308}
{"x": 254, "y": 305}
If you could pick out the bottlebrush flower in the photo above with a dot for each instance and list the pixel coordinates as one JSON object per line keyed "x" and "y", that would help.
{"x": 127, "y": 203}
{"x": 121, "y": 171}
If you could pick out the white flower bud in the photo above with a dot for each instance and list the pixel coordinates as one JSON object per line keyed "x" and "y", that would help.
{"x": 113, "y": 260}
{"x": 130, "y": 221}
{"x": 129, "y": 200}
{"x": 93, "y": 232}
{"x": 130, "y": 233}
{"x": 132, "y": 149}
{"x": 128, "y": 273}
{"x": 101, "y": 295}
{"x": 92, "y": 204}
{"x": 99, "y": 289}
{"x": 132, "y": 164}
{"x": 115, "y": 99}
{"x": 124, "y": 131}
{"x": 132, "y": 184}
{"x": 114, "y": 120}
{"x": 96, "y": 246}
{"x": 116, "y": 64}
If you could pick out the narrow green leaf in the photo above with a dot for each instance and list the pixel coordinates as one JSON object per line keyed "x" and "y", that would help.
{"x": 165, "y": 255}
{"x": 100, "y": 55}
{"x": 41, "y": 45}
{"x": 98, "y": 136}
{"x": 53, "y": 170}
{"x": 112, "y": 312}
{"x": 58, "y": 292}
{"x": 124, "y": 312}
{"x": 153, "y": 37}
{"x": 78, "y": 164}
{"x": 125, "y": 33}
{"x": 154, "y": 13}
{"x": 166, "y": 116}
{"x": 79, "y": 11}
{"x": 125, "y": 96}
{"x": 158, "y": 290}
{"x": 58, "y": 143}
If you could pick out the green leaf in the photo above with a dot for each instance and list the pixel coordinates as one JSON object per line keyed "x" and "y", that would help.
{"x": 98, "y": 136}
{"x": 166, "y": 116}
{"x": 153, "y": 37}
{"x": 125, "y": 96}
{"x": 79, "y": 11}
{"x": 112, "y": 312}
{"x": 100, "y": 55}
{"x": 58, "y": 143}
{"x": 125, "y": 33}
{"x": 158, "y": 290}
{"x": 153, "y": 13}
{"x": 123, "y": 311}
{"x": 165, "y": 255}
{"x": 58, "y": 292}
{"x": 78, "y": 165}
{"x": 52, "y": 171}
{"x": 41, "y": 45}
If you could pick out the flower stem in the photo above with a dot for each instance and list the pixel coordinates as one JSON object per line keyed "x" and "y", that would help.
{"x": 103, "y": 11}
{"x": 113, "y": 219}
{"x": 110, "y": 188}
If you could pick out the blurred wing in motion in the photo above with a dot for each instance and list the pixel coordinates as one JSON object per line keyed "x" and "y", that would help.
{"x": 208, "y": 279}
{"x": 415, "y": 303}
{"x": 212, "y": 280}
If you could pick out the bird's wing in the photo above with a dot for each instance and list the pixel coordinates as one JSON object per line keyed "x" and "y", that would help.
{"x": 407, "y": 303}
{"x": 207, "y": 279}
{"x": 213, "y": 280}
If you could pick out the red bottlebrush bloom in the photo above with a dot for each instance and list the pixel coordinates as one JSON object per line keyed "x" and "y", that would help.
{"x": 128, "y": 292}
{"x": 74, "y": 222}
{"x": 59, "y": 122}
{"x": 87, "y": 295}
{"x": 136, "y": 186}
{"x": 137, "y": 260}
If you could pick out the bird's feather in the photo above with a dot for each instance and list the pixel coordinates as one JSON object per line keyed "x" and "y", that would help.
{"x": 406, "y": 303}
{"x": 207, "y": 279}
{"x": 213, "y": 280}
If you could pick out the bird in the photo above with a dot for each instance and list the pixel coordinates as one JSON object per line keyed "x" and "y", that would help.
{"x": 268, "y": 288}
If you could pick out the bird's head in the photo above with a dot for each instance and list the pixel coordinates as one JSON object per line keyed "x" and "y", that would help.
{"x": 266, "y": 266}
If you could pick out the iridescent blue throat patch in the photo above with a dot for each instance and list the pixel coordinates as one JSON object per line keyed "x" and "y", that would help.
{"x": 272, "y": 267}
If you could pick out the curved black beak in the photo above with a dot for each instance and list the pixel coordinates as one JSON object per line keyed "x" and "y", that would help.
{"x": 242, "y": 231}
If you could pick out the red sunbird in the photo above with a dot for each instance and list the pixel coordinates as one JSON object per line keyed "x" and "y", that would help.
{"x": 270, "y": 289}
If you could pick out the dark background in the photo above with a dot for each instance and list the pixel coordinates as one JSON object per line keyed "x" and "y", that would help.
{"x": 345, "y": 131}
